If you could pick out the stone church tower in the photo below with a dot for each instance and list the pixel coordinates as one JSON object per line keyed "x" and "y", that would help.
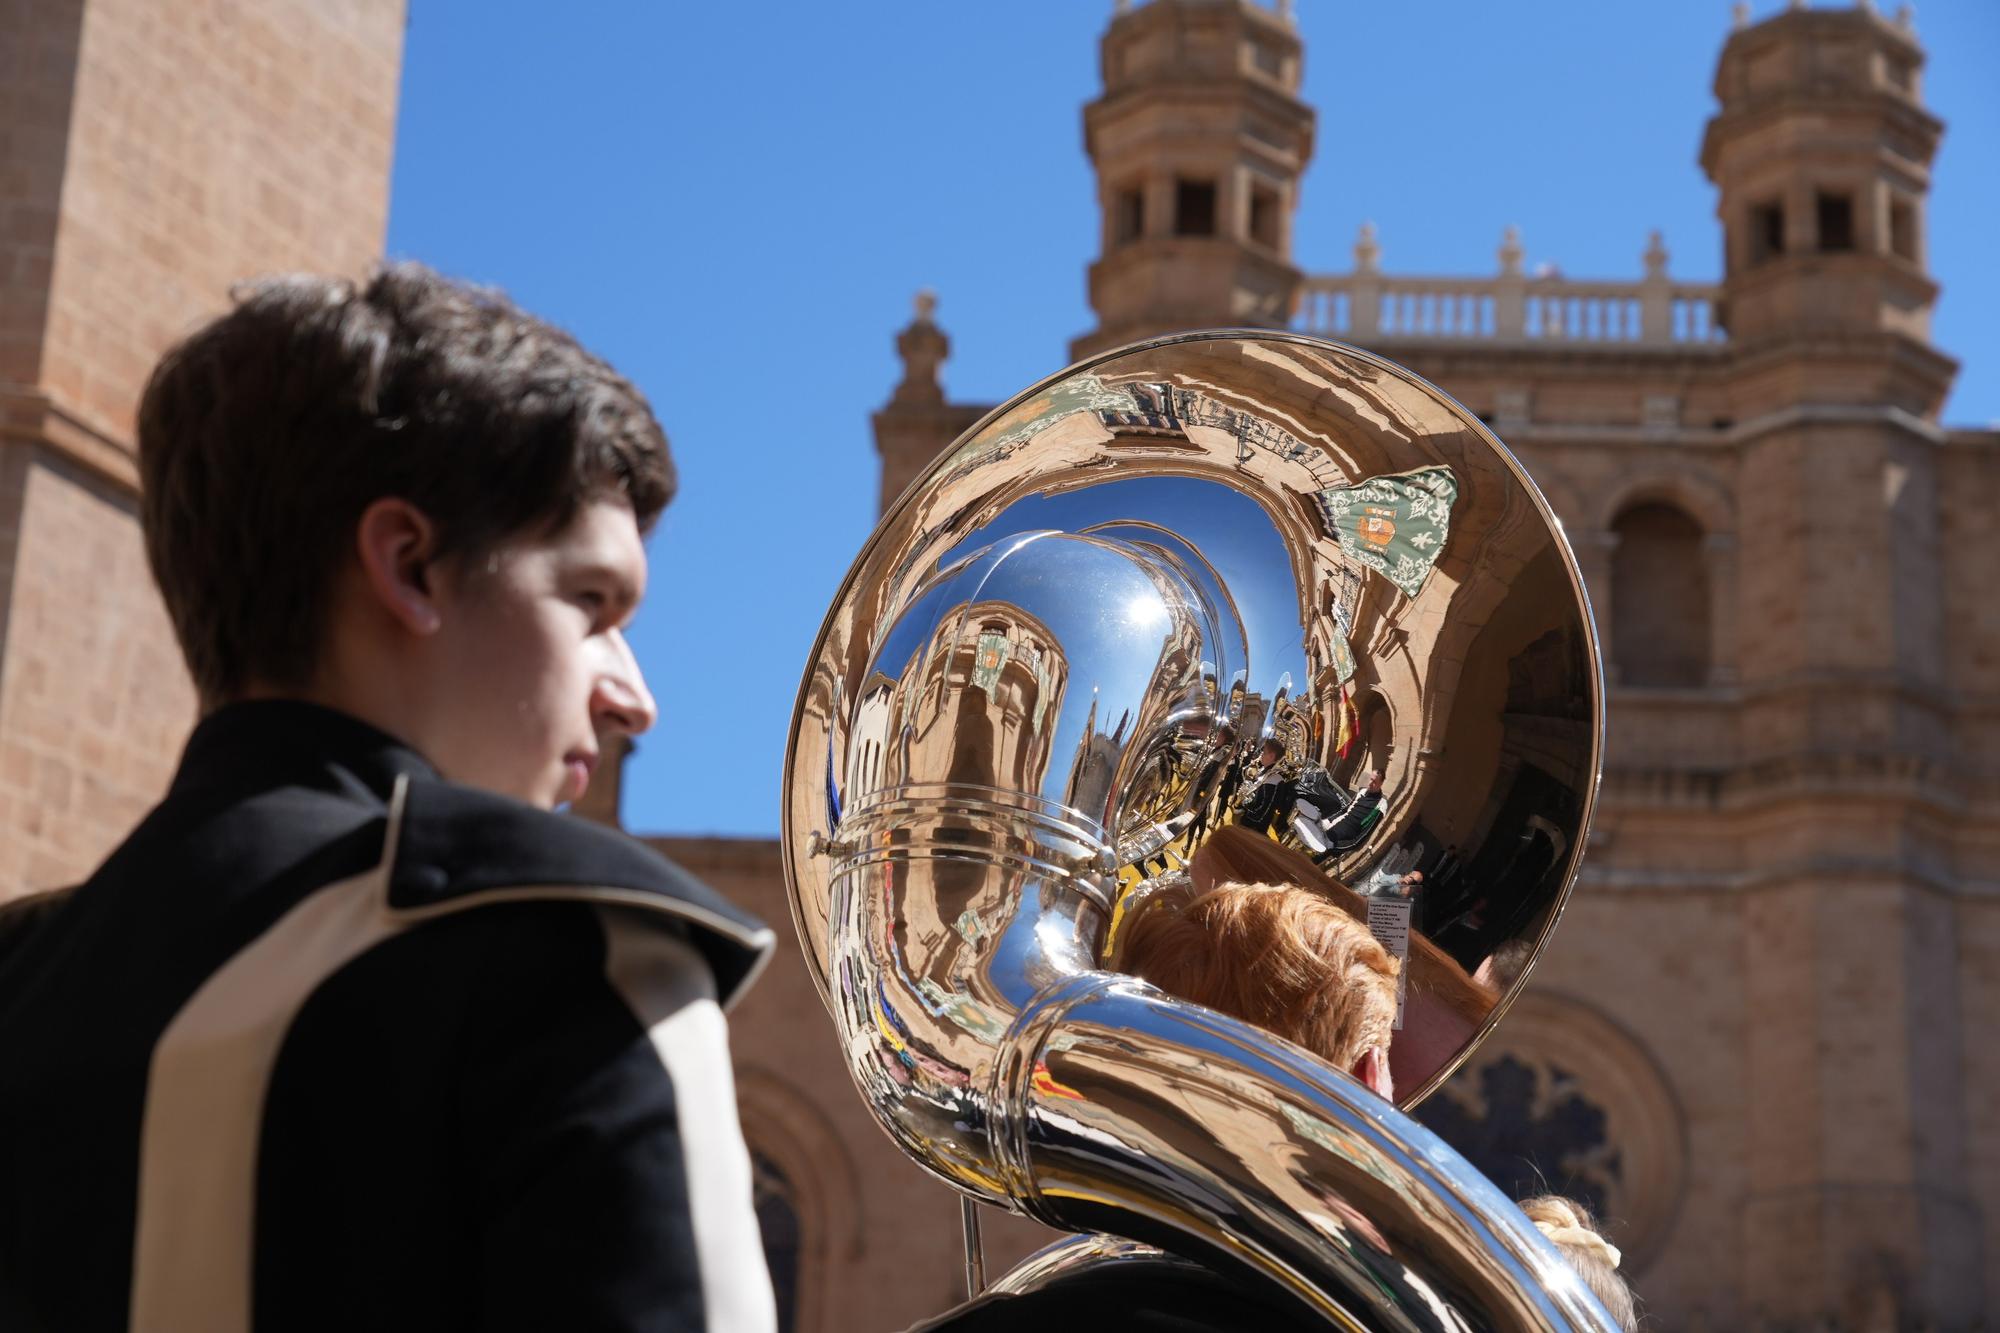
{"x": 1199, "y": 140}
{"x": 1851, "y": 768}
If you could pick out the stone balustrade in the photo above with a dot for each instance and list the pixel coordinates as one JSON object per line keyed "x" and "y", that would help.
{"x": 1367, "y": 304}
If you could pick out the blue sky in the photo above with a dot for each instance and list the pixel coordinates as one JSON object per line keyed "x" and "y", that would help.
{"x": 735, "y": 202}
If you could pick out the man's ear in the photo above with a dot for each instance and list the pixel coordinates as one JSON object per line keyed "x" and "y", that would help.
{"x": 396, "y": 543}
{"x": 1373, "y": 1069}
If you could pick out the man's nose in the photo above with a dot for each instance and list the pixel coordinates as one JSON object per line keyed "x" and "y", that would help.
{"x": 621, "y": 701}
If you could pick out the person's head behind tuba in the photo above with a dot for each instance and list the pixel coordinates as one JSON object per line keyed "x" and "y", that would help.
{"x": 1569, "y": 1227}
{"x": 1278, "y": 956}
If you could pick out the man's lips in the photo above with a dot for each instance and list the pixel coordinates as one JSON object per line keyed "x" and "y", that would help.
{"x": 578, "y": 767}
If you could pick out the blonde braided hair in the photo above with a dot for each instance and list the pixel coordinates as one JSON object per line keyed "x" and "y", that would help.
{"x": 1569, "y": 1228}
{"x": 1563, "y": 1223}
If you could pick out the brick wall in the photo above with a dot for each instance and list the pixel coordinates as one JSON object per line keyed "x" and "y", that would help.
{"x": 275, "y": 158}
{"x": 36, "y": 62}
{"x": 150, "y": 156}
{"x": 93, "y": 699}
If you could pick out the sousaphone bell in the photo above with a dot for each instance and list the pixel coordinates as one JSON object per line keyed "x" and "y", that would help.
{"x": 1190, "y": 596}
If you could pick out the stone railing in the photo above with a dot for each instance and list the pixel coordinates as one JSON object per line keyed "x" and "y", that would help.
{"x": 1511, "y": 306}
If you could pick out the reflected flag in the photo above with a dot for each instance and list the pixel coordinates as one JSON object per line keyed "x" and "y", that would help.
{"x": 1045, "y": 1083}
{"x": 1081, "y": 392}
{"x": 1343, "y": 658}
{"x": 994, "y": 649}
{"x": 1395, "y": 525}
{"x": 1350, "y": 724}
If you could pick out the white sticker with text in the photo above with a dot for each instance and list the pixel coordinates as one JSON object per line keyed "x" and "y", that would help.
{"x": 1389, "y": 923}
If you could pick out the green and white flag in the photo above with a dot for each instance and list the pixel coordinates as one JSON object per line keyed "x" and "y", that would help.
{"x": 1065, "y": 398}
{"x": 1343, "y": 657}
{"x": 1395, "y": 525}
{"x": 994, "y": 650}
{"x": 1045, "y": 684}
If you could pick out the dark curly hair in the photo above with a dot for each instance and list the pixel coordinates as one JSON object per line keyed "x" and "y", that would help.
{"x": 265, "y": 435}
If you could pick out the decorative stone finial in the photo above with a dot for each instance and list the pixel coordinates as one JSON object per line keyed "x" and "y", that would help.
{"x": 1367, "y": 254}
{"x": 1511, "y": 253}
{"x": 1906, "y": 17}
{"x": 1797, "y": 4}
{"x": 1287, "y": 12}
{"x": 1656, "y": 255}
{"x": 923, "y": 348}
{"x": 1739, "y": 14}
{"x": 1865, "y": 6}
{"x": 1121, "y": 7}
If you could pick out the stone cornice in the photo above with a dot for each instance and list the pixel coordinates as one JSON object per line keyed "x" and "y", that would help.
{"x": 1881, "y": 780}
{"x": 1836, "y": 414}
{"x": 1762, "y": 108}
{"x": 1875, "y": 347}
{"x": 1596, "y": 876}
{"x": 1740, "y": 433}
{"x": 30, "y": 416}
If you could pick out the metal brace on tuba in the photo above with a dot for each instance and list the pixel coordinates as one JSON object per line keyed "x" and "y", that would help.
{"x": 1233, "y": 585}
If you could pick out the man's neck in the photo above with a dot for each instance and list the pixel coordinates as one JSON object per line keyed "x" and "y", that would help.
{"x": 374, "y": 707}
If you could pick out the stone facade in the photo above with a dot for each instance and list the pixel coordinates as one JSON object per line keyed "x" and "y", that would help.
{"x": 1768, "y": 994}
{"x": 131, "y": 196}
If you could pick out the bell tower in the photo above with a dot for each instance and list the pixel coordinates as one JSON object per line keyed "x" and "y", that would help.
{"x": 1199, "y": 140}
{"x": 1821, "y": 154}
{"x": 1856, "y": 1203}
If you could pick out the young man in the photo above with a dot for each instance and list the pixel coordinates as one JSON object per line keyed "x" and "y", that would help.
{"x": 353, "y": 1032}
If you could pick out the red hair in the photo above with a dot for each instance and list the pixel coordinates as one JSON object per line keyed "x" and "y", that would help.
{"x": 1275, "y": 955}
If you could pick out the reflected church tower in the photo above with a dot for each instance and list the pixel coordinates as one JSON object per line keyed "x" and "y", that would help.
{"x": 994, "y": 678}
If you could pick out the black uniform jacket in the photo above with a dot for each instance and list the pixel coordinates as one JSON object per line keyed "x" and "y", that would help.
{"x": 331, "y": 1043}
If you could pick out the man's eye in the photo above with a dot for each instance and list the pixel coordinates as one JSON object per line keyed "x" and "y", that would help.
{"x": 593, "y": 602}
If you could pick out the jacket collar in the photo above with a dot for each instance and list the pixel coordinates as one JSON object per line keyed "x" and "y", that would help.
{"x": 458, "y": 847}
{"x": 263, "y": 743}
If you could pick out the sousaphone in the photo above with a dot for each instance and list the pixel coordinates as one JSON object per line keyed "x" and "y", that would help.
{"x": 1242, "y": 595}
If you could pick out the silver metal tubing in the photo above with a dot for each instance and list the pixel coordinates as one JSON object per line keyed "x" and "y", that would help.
{"x": 975, "y": 1251}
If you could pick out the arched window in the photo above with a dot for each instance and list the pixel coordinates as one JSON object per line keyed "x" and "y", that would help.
{"x": 1374, "y": 739}
{"x": 1659, "y": 598}
{"x": 771, "y": 1195}
{"x": 1531, "y": 1130}
{"x": 1377, "y": 731}
{"x": 1564, "y": 1101}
